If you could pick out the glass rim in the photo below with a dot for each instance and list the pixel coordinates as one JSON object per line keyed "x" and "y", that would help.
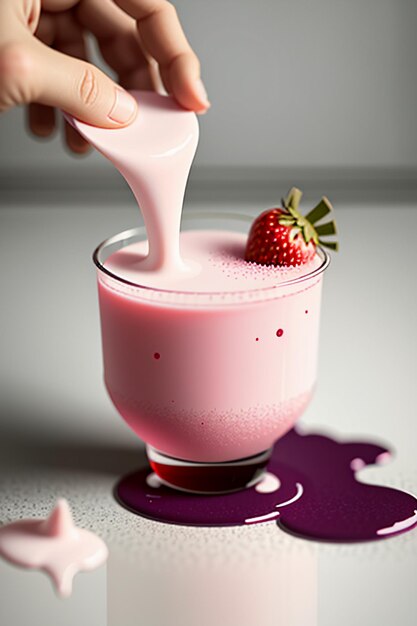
{"x": 138, "y": 230}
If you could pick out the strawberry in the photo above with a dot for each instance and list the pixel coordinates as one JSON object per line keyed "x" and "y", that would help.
{"x": 282, "y": 236}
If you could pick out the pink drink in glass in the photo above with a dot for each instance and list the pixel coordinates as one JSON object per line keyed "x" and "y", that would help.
{"x": 219, "y": 367}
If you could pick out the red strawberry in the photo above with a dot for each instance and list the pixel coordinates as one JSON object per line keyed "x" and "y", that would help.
{"x": 283, "y": 236}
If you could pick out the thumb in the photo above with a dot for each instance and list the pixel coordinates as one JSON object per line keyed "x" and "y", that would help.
{"x": 77, "y": 87}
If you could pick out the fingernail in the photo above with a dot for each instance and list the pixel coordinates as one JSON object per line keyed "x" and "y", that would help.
{"x": 201, "y": 92}
{"x": 124, "y": 107}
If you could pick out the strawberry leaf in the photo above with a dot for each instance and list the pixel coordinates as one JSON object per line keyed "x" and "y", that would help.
{"x": 309, "y": 233}
{"x": 293, "y": 198}
{"x": 321, "y": 210}
{"x": 287, "y": 221}
{"x": 296, "y": 215}
{"x": 326, "y": 229}
{"x": 332, "y": 245}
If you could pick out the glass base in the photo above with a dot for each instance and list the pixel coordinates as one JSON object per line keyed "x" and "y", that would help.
{"x": 208, "y": 478}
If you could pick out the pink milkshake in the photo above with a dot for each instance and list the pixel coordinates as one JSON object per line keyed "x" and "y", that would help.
{"x": 208, "y": 358}
{"x": 216, "y": 366}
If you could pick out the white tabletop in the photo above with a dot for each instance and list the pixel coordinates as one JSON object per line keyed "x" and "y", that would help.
{"x": 60, "y": 435}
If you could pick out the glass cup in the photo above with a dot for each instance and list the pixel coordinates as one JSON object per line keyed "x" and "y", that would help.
{"x": 209, "y": 380}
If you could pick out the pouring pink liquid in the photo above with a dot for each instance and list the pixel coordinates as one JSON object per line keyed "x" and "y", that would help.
{"x": 154, "y": 154}
{"x": 208, "y": 358}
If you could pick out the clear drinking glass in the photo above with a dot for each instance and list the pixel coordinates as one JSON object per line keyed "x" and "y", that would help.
{"x": 209, "y": 380}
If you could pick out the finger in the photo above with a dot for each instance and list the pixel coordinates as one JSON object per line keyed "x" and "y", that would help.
{"x": 69, "y": 39}
{"x": 118, "y": 40}
{"x": 18, "y": 16}
{"x": 46, "y": 29}
{"x": 163, "y": 38}
{"x": 69, "y": 36}
{"x": 74, "y": 141}
{"x": 41, "y": 120}
{"x": 36, "y": 73}
{"x": 58, "y": 5}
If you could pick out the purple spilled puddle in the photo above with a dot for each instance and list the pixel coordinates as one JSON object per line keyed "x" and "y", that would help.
{"x": 310, "y": 490}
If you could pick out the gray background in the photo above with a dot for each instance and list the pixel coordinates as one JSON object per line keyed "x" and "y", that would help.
{"x": 317, "y": 93}
{"x": 293, "y": 83}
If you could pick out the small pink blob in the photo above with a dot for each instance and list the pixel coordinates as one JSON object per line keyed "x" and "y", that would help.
{"x": 383, "y": 458}
{"x": 280, "y": 332}
{"x": 54, "y": 545}
{"x": 268, "y": 484}
{"x": 156, "y": 356}
{"x": 357, "y": 464}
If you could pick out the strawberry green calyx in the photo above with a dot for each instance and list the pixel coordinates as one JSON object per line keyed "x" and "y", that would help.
{"x": 306, "y": 224}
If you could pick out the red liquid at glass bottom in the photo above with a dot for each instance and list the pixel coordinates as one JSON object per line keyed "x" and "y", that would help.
{"x": 313, "y": 493}
{"x": 208, "y": 478}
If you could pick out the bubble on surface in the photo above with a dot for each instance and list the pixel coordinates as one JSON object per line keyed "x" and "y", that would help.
{"x": 268, "y": 484}
{"x": 357, "y": 464}
{"x": 235, "y": 267}
{"x": 152, "y": 480}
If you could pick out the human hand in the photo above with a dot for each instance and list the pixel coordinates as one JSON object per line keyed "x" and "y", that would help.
{"x": 43, "y": 60}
